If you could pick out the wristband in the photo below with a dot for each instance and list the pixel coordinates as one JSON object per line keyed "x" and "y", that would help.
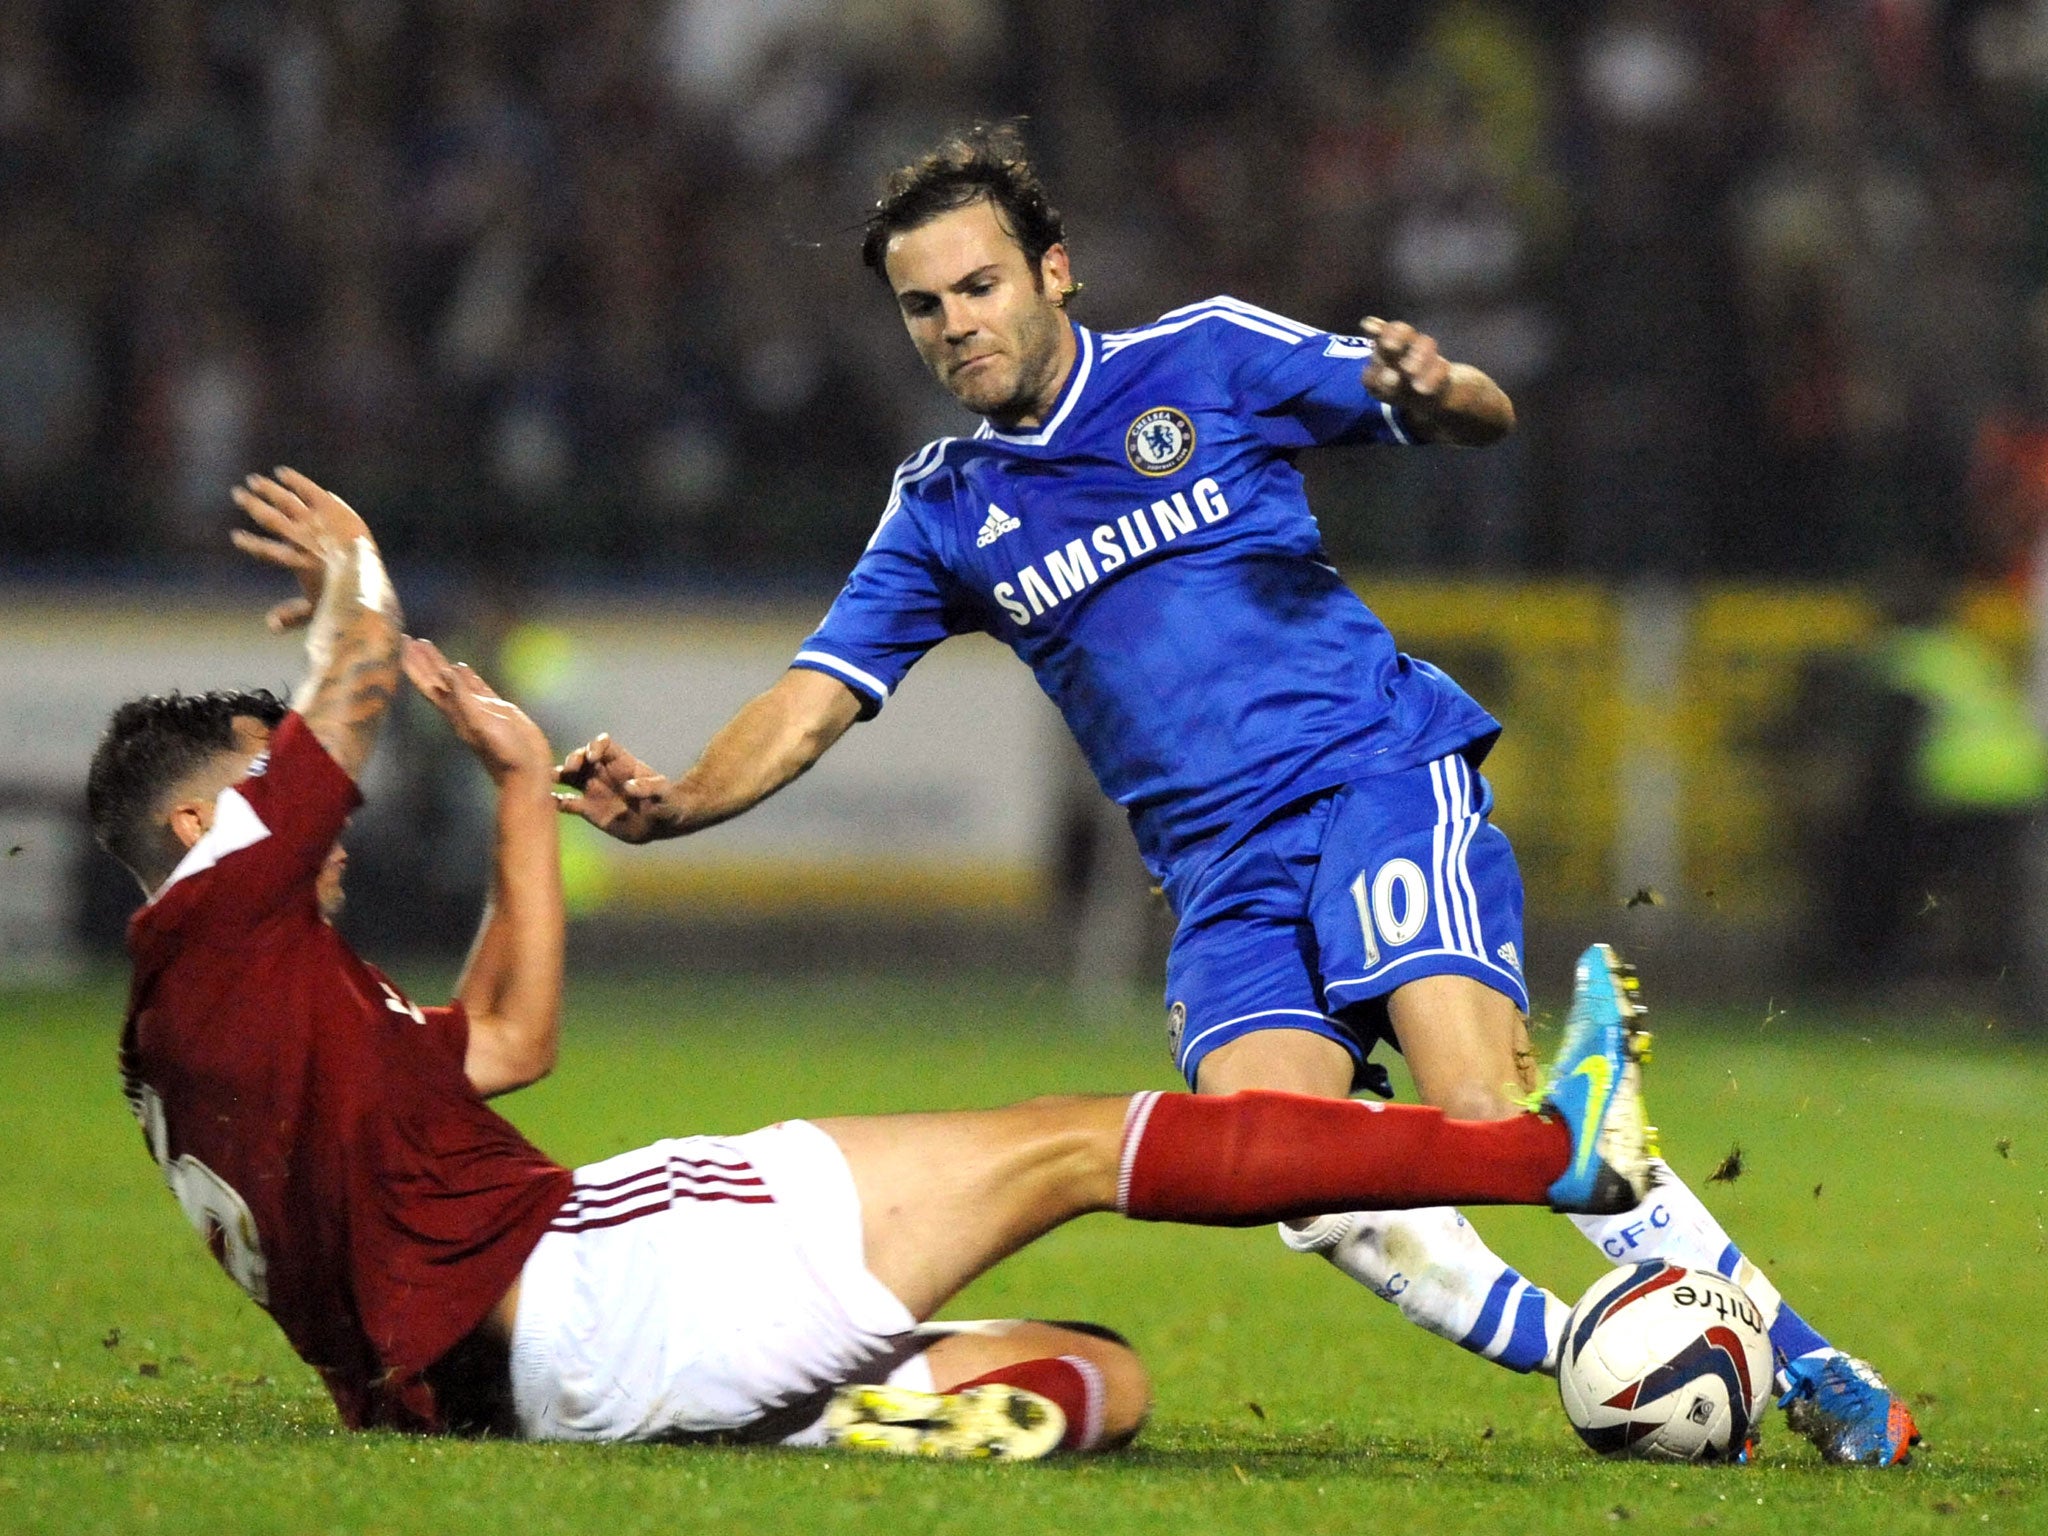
{"x": 373, "y": 585}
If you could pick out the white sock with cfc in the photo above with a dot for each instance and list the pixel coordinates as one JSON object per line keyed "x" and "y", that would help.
{"x": 1673, "y": 1224}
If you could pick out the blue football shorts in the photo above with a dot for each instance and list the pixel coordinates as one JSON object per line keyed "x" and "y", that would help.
{"x": 1338, "y": 899}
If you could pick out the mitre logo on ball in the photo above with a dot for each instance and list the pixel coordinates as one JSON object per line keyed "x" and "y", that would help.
{"x": 1665, "y": 1363}
{"x": 1160, "y": 441}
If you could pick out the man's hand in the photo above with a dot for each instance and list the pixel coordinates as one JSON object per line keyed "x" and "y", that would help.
{"x": 501, "y": 735}
{"x": 355, "y": 623}
{"x": 1440, "y": 400}
{"x": 1406, "y": 369}
{"x": 774, "y": 738}
{"x": 614, "y": 791}
{"x": 311, "y": 529}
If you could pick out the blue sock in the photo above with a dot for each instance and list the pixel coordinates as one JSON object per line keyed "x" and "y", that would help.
{"x": 1792, "y": 1336}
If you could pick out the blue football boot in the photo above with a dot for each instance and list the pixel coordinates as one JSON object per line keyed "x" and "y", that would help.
{"x": 1844, "y": 1407}
{"x": 1596, "y": 1089}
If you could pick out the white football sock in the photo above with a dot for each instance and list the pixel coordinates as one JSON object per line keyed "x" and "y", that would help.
{"x": 1434, "y": 1267}
{"x": 1674, "y": 1225}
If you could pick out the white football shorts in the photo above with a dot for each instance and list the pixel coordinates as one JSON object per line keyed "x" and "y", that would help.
{"x": 706, "y": 1286}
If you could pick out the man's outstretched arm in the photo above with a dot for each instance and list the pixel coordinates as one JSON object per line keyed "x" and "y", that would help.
{"x": 1441, "y": 401}
{"x": 511, "y": 985}
{"x": 771, "y": 741}
{"x": 352, "y": 647}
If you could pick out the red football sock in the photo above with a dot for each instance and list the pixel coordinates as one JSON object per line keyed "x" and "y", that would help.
{"x": 1069, "y": 1380}
{"x": 1244, "y": 1158}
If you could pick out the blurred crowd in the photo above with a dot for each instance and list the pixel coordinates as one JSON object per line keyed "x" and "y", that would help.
{"x": 566, "y": 290}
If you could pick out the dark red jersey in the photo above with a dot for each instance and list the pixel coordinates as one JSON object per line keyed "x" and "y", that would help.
{"x": 315, "y": 1126}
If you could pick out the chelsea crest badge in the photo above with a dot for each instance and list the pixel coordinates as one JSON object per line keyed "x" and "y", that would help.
{"x": 1160, "y": 441}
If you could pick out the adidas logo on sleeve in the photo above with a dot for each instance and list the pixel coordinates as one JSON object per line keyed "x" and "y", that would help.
{"x": 999, "y": 523}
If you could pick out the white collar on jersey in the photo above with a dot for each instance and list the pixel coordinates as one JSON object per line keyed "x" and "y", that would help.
{"x": 1084, "y": 363}
{"x": 235, "y": 826}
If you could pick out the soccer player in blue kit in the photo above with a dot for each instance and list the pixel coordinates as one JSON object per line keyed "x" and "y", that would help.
{"x": 1128, "y": 519}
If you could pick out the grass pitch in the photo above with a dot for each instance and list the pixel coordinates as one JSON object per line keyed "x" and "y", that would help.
{"x": 1893, "y": 1186}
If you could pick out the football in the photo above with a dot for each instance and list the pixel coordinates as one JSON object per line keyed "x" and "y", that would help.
{"x": 1665, "y": 1364}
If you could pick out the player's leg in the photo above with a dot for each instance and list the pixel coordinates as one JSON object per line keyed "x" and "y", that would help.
{"x": 1441, "y": 908}
{"x": 1466, "y": 1044}
{"x": 733, "y": 1285}
{"x": 1247, "y": 1012}
{"x": 945, "y": 1196}
{"x": 1285, "y": 1060}
{"x": 1832, "y": 1398}
{"x": 1014, "y": 1388}
{"x": 1468, "y": 1051}
{"x": 1092, "y": 1372}
{"x": 1464, "y": 1040}
{"x": 1674, "y": 1224}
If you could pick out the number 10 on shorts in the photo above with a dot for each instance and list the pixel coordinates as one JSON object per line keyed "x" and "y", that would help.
{"x": 1392, "y": 906}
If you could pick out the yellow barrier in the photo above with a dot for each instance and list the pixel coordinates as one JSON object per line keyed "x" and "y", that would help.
{"x": 1547, "y": 659}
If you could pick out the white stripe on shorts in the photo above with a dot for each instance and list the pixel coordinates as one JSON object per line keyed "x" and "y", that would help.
{"x": 1447, "y": 852}
{"x": 1464, "y": 864}
{"x": 1455, "y": 876}
{"x": 1436, "y": 857}
{"x": 1450, "y": 874}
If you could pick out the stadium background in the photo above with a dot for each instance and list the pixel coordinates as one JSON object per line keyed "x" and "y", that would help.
{"x": 566, "y": 300}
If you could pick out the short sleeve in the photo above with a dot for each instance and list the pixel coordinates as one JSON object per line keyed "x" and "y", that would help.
{"x": 271, "y": 834}
{"x": 894, "y": 607}
{"x": 1299, "y": 387}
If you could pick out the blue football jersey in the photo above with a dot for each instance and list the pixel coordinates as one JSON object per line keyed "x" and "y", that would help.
{"x": 1150, "y": 554}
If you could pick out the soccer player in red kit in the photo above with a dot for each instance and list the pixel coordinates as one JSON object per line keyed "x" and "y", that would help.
{"x": 328, "y": 1137}
{"x": 331, "y": 1141}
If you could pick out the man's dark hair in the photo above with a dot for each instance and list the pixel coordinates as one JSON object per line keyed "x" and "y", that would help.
{"x": 149, "y": 746}
{"x": 969, "y": 165}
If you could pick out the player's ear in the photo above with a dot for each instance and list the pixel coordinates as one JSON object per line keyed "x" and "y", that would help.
{"x": 1054, "y": 273}
{"x": 189, "y": 820}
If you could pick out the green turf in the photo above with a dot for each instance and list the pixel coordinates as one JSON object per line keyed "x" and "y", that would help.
{"x": 138, "y": 1390}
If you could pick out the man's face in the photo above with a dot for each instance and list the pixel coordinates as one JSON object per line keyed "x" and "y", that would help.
{"x": 984, "y": 321}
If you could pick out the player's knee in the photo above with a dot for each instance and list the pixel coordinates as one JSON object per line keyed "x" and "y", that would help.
{"x": 1473, "y": 1100}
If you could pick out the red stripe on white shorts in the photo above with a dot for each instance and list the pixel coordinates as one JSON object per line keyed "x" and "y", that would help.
{"x": 650, "y": 1191}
